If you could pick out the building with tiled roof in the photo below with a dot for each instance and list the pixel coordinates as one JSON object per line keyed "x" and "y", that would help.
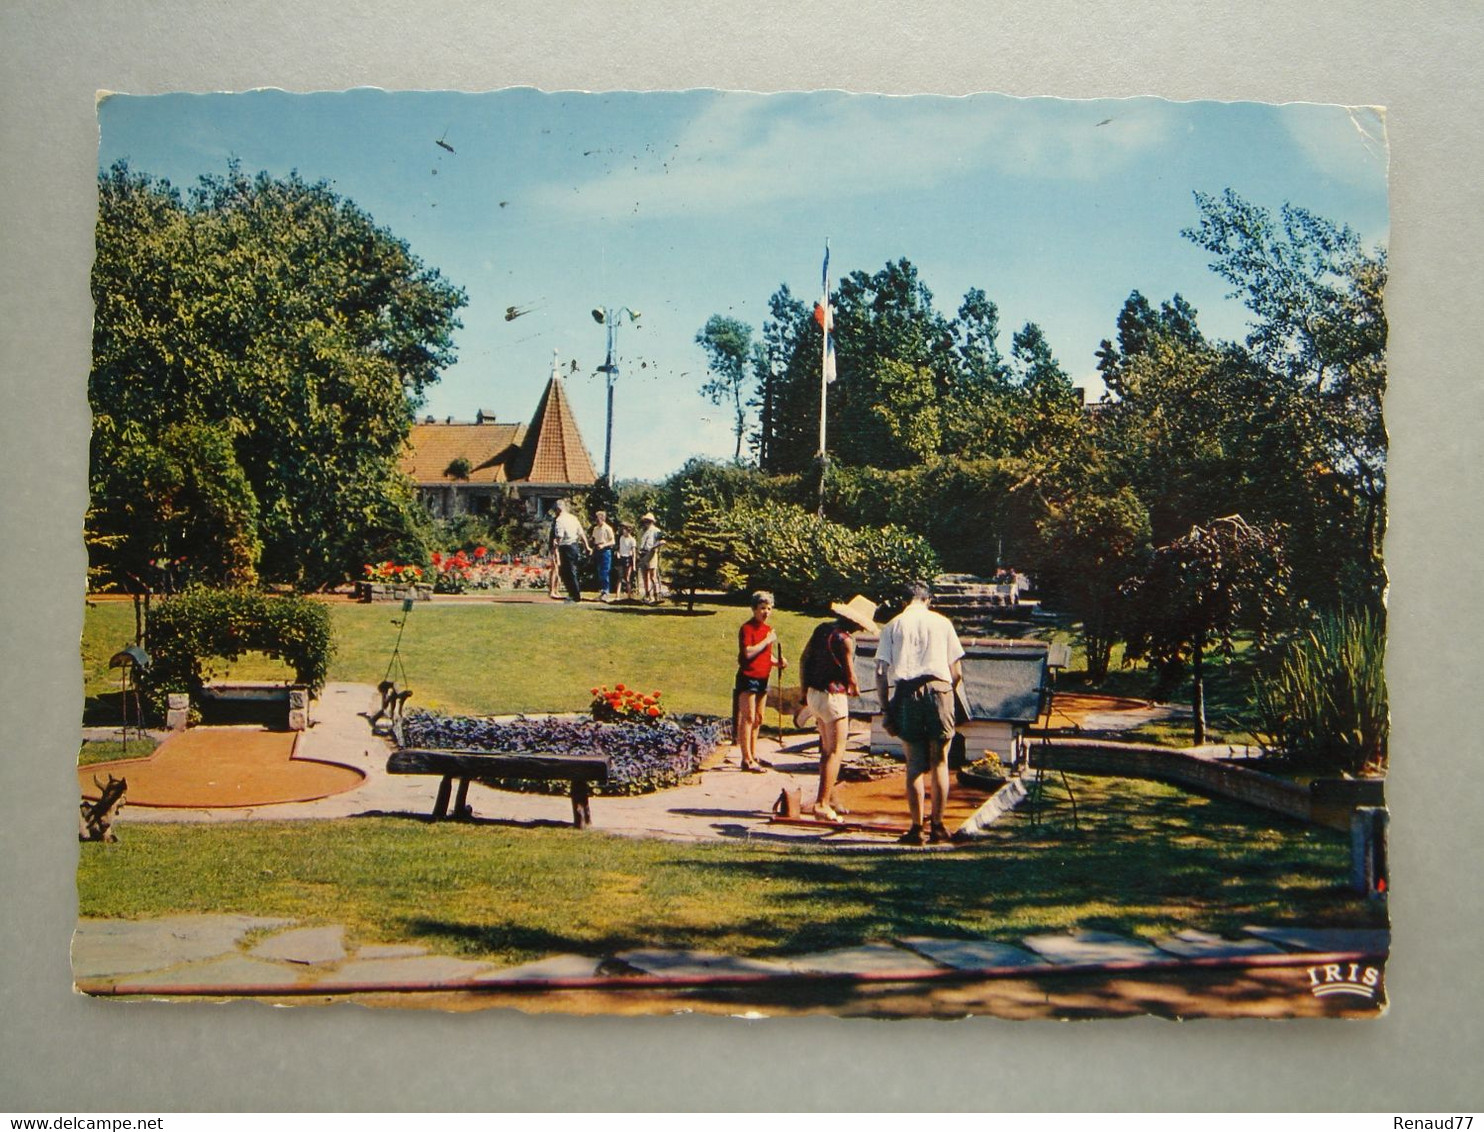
{"x": 461, "y": 467}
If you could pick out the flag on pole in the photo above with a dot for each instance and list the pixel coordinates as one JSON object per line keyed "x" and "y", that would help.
{"x": 826, "y": 319}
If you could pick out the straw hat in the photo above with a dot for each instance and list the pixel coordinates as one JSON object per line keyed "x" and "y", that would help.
{"x": 859, "y": 610}
{"x": 647, "y": 517}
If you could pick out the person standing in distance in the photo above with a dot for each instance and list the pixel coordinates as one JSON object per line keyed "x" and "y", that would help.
{"x": 650, "y": 541}
{"x": 624, "y": 563}
{"x": 920, "y": 659}
{"x": 567, "y": 534}
{"x": 603, "y": 540}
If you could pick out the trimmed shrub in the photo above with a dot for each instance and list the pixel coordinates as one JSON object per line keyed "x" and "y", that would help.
{"x": 186, "y": 629}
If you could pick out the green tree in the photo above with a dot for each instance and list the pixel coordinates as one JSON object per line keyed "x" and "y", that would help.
{"x": 276, "y": 311}
{"x": 730, "y": 354}
{"x": 1196, "y": 593}
{"x": 703, "y": 549}
{"x": 1320, "y": 334}
{"x": 178, "y": 512}
{"x": 1088, "y": 547}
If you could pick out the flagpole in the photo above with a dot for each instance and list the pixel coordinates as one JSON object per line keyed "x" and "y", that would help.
{"x": 824, "y": 377}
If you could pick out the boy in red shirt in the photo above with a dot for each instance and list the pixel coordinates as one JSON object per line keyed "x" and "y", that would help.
{"x": 758, "y": 652}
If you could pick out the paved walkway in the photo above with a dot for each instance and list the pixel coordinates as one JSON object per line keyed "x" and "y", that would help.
{"x": 723, "y": 803}
{"x": 212, "y": 954}
{"x": 1265, "y": 971}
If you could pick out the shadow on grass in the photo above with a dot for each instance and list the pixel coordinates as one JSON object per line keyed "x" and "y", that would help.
{"x": 658, "y": 610}
{"x": 1147, "y": 862}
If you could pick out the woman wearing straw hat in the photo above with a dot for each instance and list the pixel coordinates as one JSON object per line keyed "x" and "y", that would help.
{"x": 827, "y": 675}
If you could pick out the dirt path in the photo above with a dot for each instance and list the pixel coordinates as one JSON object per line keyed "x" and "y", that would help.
{"x": 224, "y": 767}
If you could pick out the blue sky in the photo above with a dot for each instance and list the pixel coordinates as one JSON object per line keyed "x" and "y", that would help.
{"x": 681, "y": 205}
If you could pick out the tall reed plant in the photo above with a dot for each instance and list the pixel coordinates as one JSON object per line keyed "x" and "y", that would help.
{"x": 1322, "y": 699}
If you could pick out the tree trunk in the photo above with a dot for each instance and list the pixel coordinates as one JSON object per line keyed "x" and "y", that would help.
{"x": 1198, "y": 695}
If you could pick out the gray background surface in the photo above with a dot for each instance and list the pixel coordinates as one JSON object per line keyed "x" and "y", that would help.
{"x": 62, "y": 1053}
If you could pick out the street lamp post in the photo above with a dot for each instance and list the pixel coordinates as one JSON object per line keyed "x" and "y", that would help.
{"x": 609, "y": 317}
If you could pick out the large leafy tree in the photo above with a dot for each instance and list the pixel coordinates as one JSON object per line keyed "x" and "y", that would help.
{"x": 1089, "y": 545}
{"x": 1319, "y": 336}
{"x": 278, "y": 314}
{"x": 913, "y": 384}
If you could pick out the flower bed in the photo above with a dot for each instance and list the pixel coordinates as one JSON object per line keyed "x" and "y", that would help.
{"x": 462, "y": 571}
{"x": 643, "y": 757}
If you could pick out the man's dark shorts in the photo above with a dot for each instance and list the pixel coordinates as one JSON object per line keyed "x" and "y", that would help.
{"x": 752, "y": 685}
{"x": 923, "y": 709}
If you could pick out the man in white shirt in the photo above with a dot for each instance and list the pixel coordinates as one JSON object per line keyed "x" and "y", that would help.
{"x": 920, "y": 655}
{"x": 603, "y": 540}
{"x": 569, "y": 537}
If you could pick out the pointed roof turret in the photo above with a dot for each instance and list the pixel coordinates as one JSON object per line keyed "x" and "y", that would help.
{"x": 553, "y": 451}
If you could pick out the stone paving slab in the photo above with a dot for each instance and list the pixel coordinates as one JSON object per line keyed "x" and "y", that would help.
{"x": 390, "y": 951}
{"x": 305, "y": 945}
{"x": 1092, "y": 947}
{"x": 1376, "y": 941}
{"x": 414, "y": 969}
{"x": 1193, "y": 944}
{"x": 227, "y": 971}
{"x": 122, "y": 947}
{"x": 685, "y": 963}
{"x": 552, "y": 967}
{"x": 869, "y": 959}
{"x": 972, "y": 954}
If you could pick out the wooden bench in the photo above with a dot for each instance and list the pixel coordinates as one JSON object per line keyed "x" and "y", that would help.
{"x": 484, "y": 766}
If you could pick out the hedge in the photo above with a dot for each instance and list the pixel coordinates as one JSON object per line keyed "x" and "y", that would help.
{"x": 186, "y": 629}
{"x": 808, "y": 561}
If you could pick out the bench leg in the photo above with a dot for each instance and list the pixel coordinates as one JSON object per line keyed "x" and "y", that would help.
{"x": 460, "y": 803}
{"x": 582, "y": 815}
{"x": 440, "y": 807}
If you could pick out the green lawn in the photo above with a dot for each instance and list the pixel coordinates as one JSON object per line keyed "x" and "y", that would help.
{"x": 112, "y": 750}
{"x": 1229, "y": 714}
{"x": 491, "y": 658}
{"x": 1148, "y": 860}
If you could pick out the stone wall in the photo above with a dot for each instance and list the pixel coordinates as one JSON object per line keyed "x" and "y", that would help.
{"x": 1165, "y": 764}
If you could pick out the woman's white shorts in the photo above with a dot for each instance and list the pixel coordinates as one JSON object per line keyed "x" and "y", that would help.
{"x": 827, "y": 707}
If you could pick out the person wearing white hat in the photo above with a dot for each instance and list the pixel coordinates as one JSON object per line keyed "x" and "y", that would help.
{"x": 650, "y": 541}
{"x": 827, "y": 677}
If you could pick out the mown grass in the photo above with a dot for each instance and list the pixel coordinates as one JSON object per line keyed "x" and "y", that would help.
{"x": 480, "y": 658}
{"x": 1230, "y": 713}
{"x": 111, "y": 750}
{"x": 1148, "y": 860}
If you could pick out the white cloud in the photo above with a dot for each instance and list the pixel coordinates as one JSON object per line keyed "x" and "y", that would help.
{"x": 750, "y": 151}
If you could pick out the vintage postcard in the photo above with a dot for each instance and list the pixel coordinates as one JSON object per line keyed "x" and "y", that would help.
{"x": 737, "y": 553}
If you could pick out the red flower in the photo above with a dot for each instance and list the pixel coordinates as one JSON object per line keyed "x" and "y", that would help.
{"x": 480, "y": 552}
{"x": 619, "y": 688}
{"x": 654, "y": 713}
